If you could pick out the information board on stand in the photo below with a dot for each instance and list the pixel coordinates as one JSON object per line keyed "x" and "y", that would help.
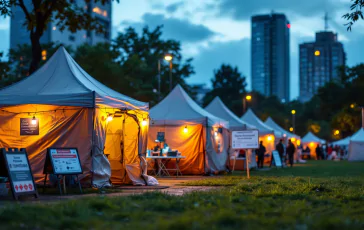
{"x": 246, "y": 139}
{"x": 62, "y": 162}
{"x": 15, "y": 165}
{"x": 277, "y": 159}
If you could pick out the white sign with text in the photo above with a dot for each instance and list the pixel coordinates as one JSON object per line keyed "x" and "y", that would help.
{"x": 247, "y": 139}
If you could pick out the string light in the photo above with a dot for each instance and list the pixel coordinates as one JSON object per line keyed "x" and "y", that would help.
{"x": 109, "y": 117}
{"x": 144, "y": 122}
{"x": 34, "y": 121}
{"x": 185, "y": 129}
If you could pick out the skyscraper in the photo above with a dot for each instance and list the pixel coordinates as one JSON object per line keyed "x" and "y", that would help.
{"x": 270, "y": 55}
{"x": 20, "y": 35}
{"x": 319, "y": 61}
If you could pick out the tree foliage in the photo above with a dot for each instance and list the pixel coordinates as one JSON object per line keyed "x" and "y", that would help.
{"x": 229, "y": 85}
{"x": 355, "y": 14}
{"x": 64, "y": 14}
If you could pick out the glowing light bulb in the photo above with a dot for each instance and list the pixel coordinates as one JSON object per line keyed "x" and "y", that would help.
{"x": 215, "y": 134}
{"x": 34, "y": 121}
{"x": 269, "y": 138}
{"x": 109, "y": 117}
{"x": 185, "y": 130}
{"x": 293, "y": 139}
{"x": 144, "y": 122}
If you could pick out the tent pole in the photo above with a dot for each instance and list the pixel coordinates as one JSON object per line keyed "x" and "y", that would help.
{"x": 93, "y": 136}
{"x": 204, "y": 154}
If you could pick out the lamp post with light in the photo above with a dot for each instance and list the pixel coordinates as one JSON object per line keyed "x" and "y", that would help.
{"x": 293, "y": 120}
{"x": 245, "y": 99}
{"x": 167, "y": 57}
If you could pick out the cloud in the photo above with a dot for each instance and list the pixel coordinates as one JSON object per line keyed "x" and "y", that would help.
{"x": 172, "y": 8}
{"x": 211, "y": 57}
{"x": 174, "y": 28}
{"x": 243, "y": 10}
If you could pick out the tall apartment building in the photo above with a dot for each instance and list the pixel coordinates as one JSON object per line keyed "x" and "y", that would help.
{"x": 319, "y": 62}
{"x": 270, "y": 55}
{"x": 20, "y": 35}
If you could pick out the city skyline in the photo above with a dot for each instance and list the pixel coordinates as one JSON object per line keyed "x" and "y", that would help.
{"x": 216, "y": 32}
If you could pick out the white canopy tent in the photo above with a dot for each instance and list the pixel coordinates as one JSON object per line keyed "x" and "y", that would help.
{"x": 311, "y": 141}
{"x": 288, "y": 135}
{"x": 219, "y": 109}
{"x": 200, "y": 136}
{"x": 356, "y": 146}
{"x": 343, "y": 142}
{"x": 266, "y": 134}
{"x": 72, "y": 108}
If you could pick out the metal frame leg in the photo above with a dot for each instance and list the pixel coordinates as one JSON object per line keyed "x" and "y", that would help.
{"x": 79, "y": 184}
{"x": 177, "y": 167}
{"x": 45, "y": 181}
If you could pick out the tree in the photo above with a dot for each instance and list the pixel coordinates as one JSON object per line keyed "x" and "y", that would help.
{"x": 355, "y": 14}
{"x": 130, "y": 64}
{"x": 21, "y": 57}
{"x": 229, "y": 85}
{"x": 65, "y": 15}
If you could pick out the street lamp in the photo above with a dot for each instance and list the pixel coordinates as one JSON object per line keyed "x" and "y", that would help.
{"x": 293, "y": 120}
{"x": 167, "y": 57}
{"x": 245, "y": 99}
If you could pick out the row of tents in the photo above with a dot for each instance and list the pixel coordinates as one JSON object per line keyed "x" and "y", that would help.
{"x": 112, "y": 131}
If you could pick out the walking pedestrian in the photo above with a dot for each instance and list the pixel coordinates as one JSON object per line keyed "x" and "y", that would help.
{"x": 260, "y": 152}
{"x": 290, "y": 151}
{"x": 280, "y": 149}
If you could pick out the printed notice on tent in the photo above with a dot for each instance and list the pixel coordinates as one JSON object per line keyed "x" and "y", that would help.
{"x": 29, "y": 127}
{"x": 65, "y": 161}
{"x": 20, "y": 173}
{"x": 247, "y": 139}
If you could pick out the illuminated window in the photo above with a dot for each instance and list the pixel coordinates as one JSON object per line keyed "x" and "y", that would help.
{"x": 44, "y": 55}
{"x": 99, "y": 11}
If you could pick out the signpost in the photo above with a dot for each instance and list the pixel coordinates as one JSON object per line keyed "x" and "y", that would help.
{"x": 247, "y": 139}
{"x": 277, "y": 159}
{"x": 15, "y": 165}
{"x": 29, "y": 128}
{"x": 62, "y": 162}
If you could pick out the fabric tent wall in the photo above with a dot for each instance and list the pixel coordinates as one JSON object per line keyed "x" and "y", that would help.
{"x": 312, "y": 146}
{"x": 58, "y": 127}
{"x": 217, "y": 147}
{"x": 122, "y": 145}
{"x": 190, "y": 144}
{"x": 356, "y": 151}
{"x": 269, "y": 143}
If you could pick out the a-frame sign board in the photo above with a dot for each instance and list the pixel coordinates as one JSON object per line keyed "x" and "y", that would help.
{"x": 62, "y": 162}
{"x": 14, "y": 164}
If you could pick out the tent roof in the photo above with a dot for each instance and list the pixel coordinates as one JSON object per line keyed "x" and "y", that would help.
{"x": 218, "y": 108}
{"x": 250, "y": 118}
{"x": 177, "y": 108}
{"x": 310, "y": 137}
{"x": 271, "y": 123}
{"x": 358, "y": 136}
{"x": 61, "y": 81}
{"x": 344, "y": 141}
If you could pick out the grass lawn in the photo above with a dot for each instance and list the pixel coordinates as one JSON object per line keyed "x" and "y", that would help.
{"x": 318, "y": 195}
